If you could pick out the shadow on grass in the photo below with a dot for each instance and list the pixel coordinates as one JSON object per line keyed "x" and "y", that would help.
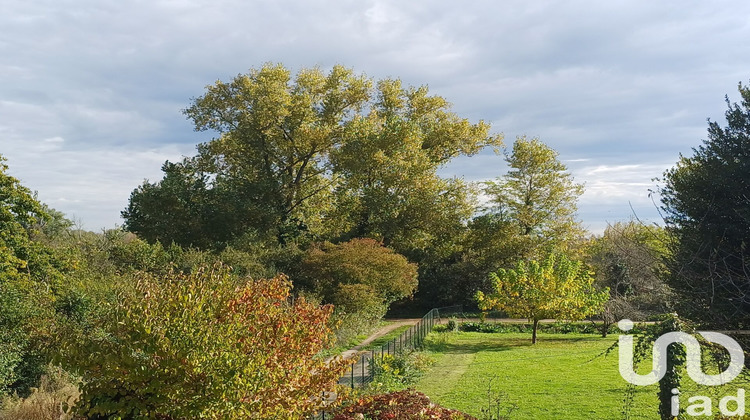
{"x": 456, "y": 344}
{"x": 467, "y": 347}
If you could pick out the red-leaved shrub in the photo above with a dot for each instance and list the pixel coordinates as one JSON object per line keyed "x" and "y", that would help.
{"x": 401, "y": 405}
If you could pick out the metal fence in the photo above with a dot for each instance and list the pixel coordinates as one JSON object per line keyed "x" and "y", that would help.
{"x": 360, "y": 374}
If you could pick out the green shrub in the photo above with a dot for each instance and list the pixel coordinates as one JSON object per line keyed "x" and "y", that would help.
{"x": 327, "y": 267}
{"x": 203, "y": 345}
{"x": 555, "y": 328}
{"x": 452, "y": 325}
{"x": 392, "y": 372}
{"x": 440, "y": 328}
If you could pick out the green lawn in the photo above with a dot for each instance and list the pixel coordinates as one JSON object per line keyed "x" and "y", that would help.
{"x": 562, "y": 377}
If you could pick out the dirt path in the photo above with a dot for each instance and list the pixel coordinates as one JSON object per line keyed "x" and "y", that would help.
{"x": 395, "y": 323}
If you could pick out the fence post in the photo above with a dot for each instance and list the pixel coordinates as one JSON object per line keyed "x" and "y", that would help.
{"x": 352, "y": 376}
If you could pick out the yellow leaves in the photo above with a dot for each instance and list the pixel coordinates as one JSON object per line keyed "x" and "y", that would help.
{"x": 554, "y": 288}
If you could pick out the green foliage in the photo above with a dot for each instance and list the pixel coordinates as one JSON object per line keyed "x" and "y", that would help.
{"x": 388, "y": 166}
{"x": 182, "y": 208}
{"x": 30, "y": 276}
{"x": 554, "y": 328}
{"x": 675, "y": 361}
{"x": 391, "y": 372}
{"x": 360, "y": 278}
{"x": 539, "y": 196}
{"x": 629, "y": 260}
{"x": 268, "y": 171}
{"x": 452, "y": 325}
{"x": 310, "y": 157}
{"x": 372, "y": 272}
{"x": 705, "y": 202}
{"x": 555, "y": 288}
{"x": 202, "y": 345}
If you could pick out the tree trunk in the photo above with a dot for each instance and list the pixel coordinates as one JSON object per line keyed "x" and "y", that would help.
{"x": 533, "y": 333}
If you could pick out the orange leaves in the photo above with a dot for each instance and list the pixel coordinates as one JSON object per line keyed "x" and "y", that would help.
{"x": 207, "y": 345}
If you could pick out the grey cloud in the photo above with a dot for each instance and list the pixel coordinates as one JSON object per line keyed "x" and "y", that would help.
{"x": 616, "y": 82}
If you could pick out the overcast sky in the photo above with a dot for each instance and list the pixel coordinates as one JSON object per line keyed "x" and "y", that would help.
{"x": 91, "y": 91}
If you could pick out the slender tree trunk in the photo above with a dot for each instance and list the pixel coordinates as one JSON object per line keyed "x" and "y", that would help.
{"x": 533, "y": 333}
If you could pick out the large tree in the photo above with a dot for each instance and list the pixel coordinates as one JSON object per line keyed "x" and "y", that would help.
{"x": 706, "y": 202}
{"x": 323, "y": 155}
{"x": 390, "y": 189}
{"x": 539, "y": 196}
{"x": 270, "y": 158}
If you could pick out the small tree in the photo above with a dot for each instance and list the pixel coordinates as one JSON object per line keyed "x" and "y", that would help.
{"x": 554, "y": 288}
{"x": 204, "y": 346}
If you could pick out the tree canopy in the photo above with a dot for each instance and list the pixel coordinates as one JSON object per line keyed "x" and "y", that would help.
{"x": 30, "y": 275}
{"x": 553, "y": 288}
{"x": 539, "y": 196}
{"x": 629, "y": 260}
{"x": 707, "y": 210}
{"x": 316, "y": 155}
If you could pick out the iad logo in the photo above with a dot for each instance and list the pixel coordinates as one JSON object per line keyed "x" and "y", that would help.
{"x": 693, "y": 364}
{"x": 693, "y": 352}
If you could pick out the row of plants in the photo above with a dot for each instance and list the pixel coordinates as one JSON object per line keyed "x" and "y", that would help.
{"x": 506, "y": 327}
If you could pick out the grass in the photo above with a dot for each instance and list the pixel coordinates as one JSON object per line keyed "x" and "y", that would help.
{"x": 56, "y": 392}
{"x": 386, "y": 338}
{"x": 561, "y": 377}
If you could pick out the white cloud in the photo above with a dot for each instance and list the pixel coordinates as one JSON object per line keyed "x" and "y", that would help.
{"x": 90, "y": 185}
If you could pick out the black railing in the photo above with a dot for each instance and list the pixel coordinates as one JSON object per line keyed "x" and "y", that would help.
{"x": 360, "y": 374}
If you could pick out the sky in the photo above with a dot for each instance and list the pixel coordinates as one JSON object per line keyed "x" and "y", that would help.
{"x": 92, "y": 91}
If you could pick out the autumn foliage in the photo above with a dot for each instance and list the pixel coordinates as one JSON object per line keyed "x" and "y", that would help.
{"x": 205, "y": 346}
{"x": 401, "y": 405}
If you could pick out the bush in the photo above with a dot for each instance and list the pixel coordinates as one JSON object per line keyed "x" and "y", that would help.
{"x": 391, "y": 372}
{"x": 203, "y": 345}
{"x": 452, "y": 325}
{"x": 440, "y": 328}
{"x": 327, "y": 267}
{"x": 401, "y": 405}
